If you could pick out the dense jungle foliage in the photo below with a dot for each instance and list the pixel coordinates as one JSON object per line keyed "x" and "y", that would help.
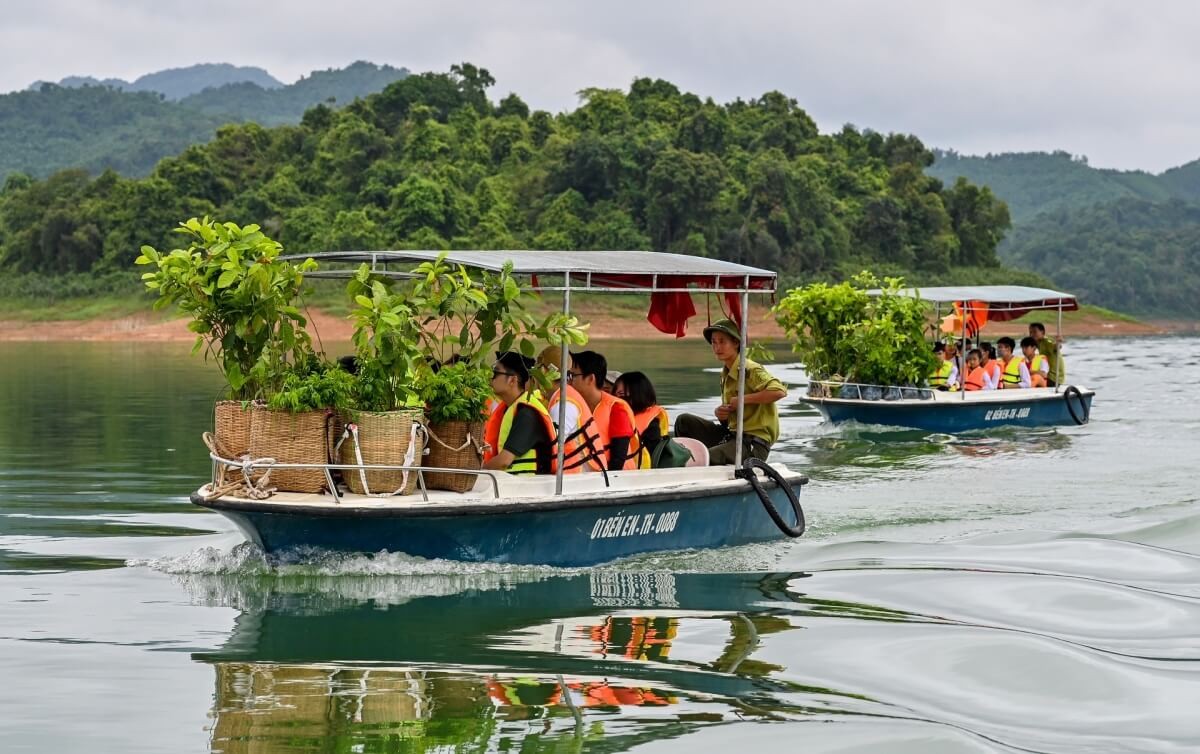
{"x": 95, "y": 128}
{"x": 1125, "y": 240}
{"x": 1133, "y": 255}
{"x": 431, "y": 162}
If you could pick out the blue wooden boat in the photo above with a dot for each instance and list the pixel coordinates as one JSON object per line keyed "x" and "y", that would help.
{"x": 561, "y": 520}
{"x": 962, "y": 410}
{"x": 524, "y": 521}
{"x": 951, "y": 412}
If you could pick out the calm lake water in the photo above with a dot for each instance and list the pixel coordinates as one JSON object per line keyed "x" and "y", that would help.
{"x": 1009, "y": 591}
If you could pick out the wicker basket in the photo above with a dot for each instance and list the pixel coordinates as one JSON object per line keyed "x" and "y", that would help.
{"x": 292, "y": 438}
{"x": 394, "y": 438}
{"x": 231, "y": 426}
{"x": 454, "y": 445}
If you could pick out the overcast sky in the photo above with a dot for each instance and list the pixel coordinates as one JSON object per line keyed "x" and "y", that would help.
{"x": 1116, "y": 81}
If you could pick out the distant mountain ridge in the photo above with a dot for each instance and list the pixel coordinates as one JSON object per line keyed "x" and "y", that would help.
{"x": 177, "y": 83}
{"x": 1035, "y": 182}
{"x": 98, "y": 127}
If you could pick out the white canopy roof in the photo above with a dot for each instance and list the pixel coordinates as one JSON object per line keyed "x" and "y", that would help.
{"x": 649, "y": 270}
{"x": 1008, "y": 298}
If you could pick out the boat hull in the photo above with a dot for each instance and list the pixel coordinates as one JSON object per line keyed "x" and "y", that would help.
{"x": 569, "y": 534}
{"x": 952, "y": 414}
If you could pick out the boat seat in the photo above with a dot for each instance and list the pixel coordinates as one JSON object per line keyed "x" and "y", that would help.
{"x": 698, "y": 450}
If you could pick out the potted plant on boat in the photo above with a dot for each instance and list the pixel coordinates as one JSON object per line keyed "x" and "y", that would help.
{"x": 241, "y": 299}
{"x": 385, "y": 423}
{"x": 464, "y": 323}
{"x": 298, "y": 422}
{"x": 842, "y": 334}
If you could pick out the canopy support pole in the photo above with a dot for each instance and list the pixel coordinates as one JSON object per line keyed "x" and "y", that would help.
{"x": 562, "y": 391}
{"x": 741, "y": 396}
{"x": 1058, "y": 343}
{"x": 962, "y": 352}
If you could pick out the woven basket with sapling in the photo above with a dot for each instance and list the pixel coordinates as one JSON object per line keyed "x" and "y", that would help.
{"x": 465, "y": 320}
{"x": 385, "y": 425}
{"x": 240, "y": 296}
{"x": 298, "y": 423}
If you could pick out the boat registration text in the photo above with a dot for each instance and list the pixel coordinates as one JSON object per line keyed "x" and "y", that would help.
{"x": 999, "y": 414}
{"x": 634, "y": 525}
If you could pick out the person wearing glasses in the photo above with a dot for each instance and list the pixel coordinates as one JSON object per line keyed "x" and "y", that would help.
{"x": 611, "y": 416}
{"x": 760, "y": 425}
{"x": 519, "y": 435}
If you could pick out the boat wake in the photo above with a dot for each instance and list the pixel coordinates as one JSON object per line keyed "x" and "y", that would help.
{"x": 247, "y": 559}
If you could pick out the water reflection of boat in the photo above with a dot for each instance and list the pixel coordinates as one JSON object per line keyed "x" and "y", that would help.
{"x": 964, "y": 410}
{"x": 562, "y": 520}
{"x": 574, "y": 655}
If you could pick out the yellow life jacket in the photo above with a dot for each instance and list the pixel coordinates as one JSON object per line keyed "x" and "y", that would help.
{"x": 499, "y": 426}
{"x": 1012, "y": 371}
{"x": 941, "y": 375}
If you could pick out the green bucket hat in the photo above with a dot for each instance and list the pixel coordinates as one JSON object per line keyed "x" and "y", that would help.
{"x": 726, "y": 326}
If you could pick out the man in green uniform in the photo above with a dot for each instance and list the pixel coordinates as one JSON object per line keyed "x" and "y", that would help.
{"x": 1048, "y": 348}
{"x": 760, "y": 425}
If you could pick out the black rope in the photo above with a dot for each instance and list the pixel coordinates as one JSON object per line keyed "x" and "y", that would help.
{"x": 1072, "y": 390}
{"x": 747, "y": 473}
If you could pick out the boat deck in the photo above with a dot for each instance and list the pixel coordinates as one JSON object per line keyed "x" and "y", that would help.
{"x": 925, "y": 396}
{"x": 526, "y": 492}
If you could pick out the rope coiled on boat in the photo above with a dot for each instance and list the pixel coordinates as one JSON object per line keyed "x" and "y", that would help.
{"x": 1072, "y": 390}
{"x": 747, "y": 472}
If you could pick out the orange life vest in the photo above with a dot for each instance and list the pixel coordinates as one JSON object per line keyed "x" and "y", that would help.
{"x": 642, "y": 422}
{"x": 575, "y": 451}
{"x": 992, "y": 369}
{"x": 975, "y": 379}
{"x": 601, "y": 417}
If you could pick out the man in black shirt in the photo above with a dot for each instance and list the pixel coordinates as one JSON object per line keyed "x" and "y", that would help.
{"x": 519, "y": 432}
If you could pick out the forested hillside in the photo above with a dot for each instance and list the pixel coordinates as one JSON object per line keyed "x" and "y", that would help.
{"x": 1134, "y": 255}
{"x": 1035, "y": 182}
{"x": 431, "y": 162}
{"x": 97, "y": 128}
{"x": 177, "y": 83}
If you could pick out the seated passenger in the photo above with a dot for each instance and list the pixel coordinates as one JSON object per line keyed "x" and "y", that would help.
{"x": 1014, "y": 373}
{"x": 610, "y": 380}
{"x": 519, "y": 433}
{"x": 945, "y": 376}
{"x": 577, "y": 420}
{"x": 1037, "y": 364}
{"x": 991, "y": 367}
{"x": 548, "y": 361}
{"x": 976, "y": 377}
{"x": 760, "y": 416}
{"x": 650, "y": 420}
{"x": 611, "y": 416}
{"x": 954, "y": 354}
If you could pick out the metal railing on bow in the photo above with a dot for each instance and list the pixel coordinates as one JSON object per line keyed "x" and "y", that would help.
{"x": 250, "y": 467}
{"x": 864, "y": 392}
